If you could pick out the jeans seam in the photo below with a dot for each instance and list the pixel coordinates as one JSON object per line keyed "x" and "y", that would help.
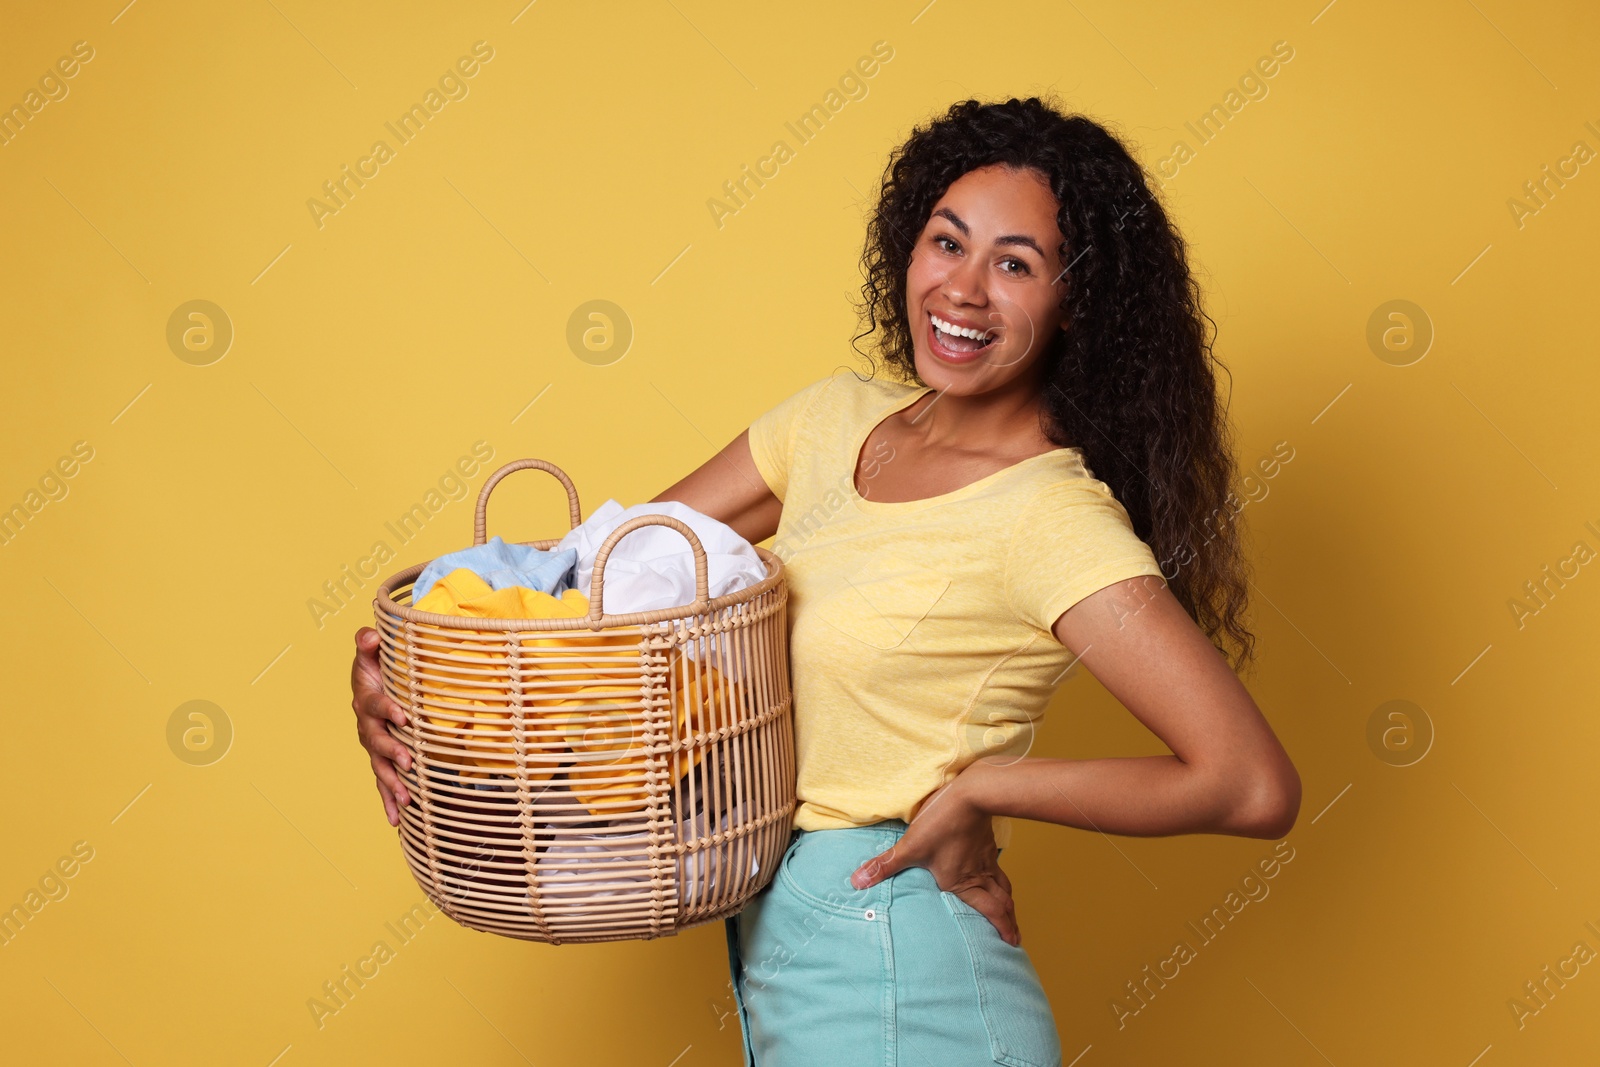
{"x": 997, "y": 1046}
{"x": 735, "y": 969}
{"x": 891, "y": 1029}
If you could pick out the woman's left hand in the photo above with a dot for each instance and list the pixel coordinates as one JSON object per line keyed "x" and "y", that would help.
{"x": 954, "y": 840}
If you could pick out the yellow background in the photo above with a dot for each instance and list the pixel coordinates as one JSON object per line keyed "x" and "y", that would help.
{"x": 373, "y": 351}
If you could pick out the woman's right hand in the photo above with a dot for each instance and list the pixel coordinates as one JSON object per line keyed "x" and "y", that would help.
{"x": 373, "y": 711}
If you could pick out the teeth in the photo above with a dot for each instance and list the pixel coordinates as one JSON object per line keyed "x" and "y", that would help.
{"x": 958, "y": 331}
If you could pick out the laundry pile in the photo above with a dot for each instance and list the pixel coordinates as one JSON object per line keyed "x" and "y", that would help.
{"x": 650, "y": 568}
{"x": 568, "y": 866}
{"x": 582, "y": 702}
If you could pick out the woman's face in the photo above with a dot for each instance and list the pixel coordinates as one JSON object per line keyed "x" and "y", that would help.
{"x": 986, "y": 261}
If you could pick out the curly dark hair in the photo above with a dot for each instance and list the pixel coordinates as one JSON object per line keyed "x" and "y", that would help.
{"x": 1131, "y": 380}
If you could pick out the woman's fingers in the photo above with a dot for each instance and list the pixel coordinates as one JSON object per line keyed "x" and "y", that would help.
{"x": 374, "y": 711}
{"x": 375, "y": 702}
{"x": 378, "y": 741}
{"x": 386, "y": 754}
{"x": 1008, "y": 904}
{"x": 366, "y": 680}
{"x": 389, "y": 778}
{"x": 365, "y": 663}
{"x": 884, "y": 865}
{"x": 998, "y": 908}
{"x": 1011, "y": 921}
{"x": 390, "y": 810}
{"x": 375, "y": 738}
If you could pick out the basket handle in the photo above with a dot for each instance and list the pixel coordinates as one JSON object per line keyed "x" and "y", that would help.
{"x": 480, "y": 529}
{"x": 702, "y": 583}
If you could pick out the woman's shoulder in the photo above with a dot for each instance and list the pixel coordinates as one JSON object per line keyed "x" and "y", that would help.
{"x": 860, "y": 396}
{"x": 1058, "y": 477}
{"x": 846, "y": 393}
{"x": 846, "y": 381}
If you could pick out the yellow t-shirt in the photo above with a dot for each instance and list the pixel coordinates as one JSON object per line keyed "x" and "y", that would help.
{"x": 920, "y": 632}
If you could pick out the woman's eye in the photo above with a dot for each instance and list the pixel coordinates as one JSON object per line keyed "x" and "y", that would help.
{"x": 1012, "y": 265}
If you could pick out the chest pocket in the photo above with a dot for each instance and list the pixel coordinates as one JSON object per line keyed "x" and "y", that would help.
{"x": 880, "y": 602}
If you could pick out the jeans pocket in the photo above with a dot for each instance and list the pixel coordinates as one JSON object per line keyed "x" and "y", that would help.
{"x": 816, "y": 985}
{"x": 1011, "y": 999}
{"x": 816, "y": 871}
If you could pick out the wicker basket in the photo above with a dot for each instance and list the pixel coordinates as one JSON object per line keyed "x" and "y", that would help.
{"x": 595, "y": 778}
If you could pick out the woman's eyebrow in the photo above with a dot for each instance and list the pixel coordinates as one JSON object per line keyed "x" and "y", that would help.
{"x": 1009, "y": 239}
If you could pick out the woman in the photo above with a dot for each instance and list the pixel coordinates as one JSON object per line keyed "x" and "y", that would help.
{"x": 1051, "y": 487}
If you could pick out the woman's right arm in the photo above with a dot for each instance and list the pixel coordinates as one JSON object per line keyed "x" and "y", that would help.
{"x": 730, "y": 489}
{"x": 727, "y": 487}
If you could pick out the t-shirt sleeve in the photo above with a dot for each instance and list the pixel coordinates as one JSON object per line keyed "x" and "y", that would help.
{"x": 1073, "y": 539}
{"x": 772, "y": 435}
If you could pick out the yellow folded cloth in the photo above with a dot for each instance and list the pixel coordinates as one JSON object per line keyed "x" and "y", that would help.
{"x": 606, "y": 731}
{"x": 465, "y": 685}
{"x": 583, "y": 699}
{"x": 461, "y": 592}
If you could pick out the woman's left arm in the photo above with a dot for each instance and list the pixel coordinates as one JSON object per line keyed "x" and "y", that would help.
{"x": 1227, "y": 773}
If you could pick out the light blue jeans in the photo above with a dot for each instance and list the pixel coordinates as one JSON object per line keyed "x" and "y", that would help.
{"x": 899, "y": 974}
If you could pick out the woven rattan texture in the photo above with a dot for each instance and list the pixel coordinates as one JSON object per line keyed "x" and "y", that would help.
{"x": 597, "y": 778}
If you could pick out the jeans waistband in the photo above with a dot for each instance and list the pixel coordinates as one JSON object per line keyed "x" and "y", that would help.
{"x": 886, "y": 830}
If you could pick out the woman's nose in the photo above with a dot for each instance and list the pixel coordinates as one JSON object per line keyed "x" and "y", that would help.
{"x": 964, "y": 283}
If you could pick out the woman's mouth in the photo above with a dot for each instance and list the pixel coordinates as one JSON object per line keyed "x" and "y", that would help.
{"x": 957, "y": 344}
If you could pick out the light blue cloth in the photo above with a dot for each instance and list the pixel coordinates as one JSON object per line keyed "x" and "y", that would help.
{"x": 503, "y": 565}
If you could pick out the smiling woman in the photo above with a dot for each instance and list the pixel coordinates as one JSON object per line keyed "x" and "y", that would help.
{"x": 959, "y": 531}
{"x": 1102, "y": 342}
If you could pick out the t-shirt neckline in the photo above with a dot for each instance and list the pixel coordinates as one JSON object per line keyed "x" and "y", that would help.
{"x": 860, "y": 442}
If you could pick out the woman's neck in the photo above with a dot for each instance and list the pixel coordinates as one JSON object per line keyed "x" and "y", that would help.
{"x": 1004, "y": 421}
